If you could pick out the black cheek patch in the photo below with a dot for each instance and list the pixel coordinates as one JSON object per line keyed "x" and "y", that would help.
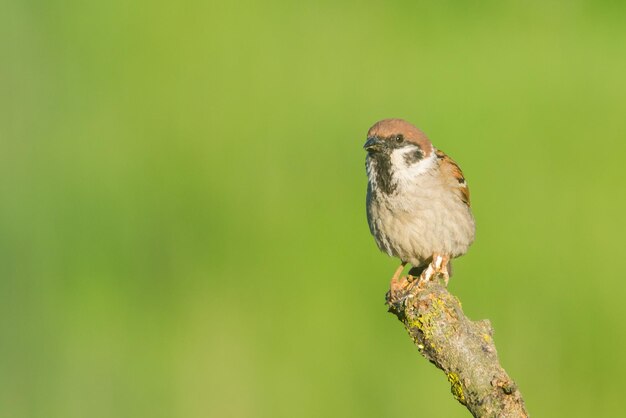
{"x": 413, "y": 157}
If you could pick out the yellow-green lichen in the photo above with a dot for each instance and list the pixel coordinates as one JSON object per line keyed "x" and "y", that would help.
{"x": 455, "y": 387}
{"x": 423, "y": 323}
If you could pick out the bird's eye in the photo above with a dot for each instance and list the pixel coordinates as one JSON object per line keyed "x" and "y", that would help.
{"x": 399, "y": 139}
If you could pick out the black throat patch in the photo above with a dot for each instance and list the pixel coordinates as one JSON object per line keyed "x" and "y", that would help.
{"x": 382, "y": 167}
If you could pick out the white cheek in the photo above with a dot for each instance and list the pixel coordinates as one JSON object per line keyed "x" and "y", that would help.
{"x": 404, "y": 171}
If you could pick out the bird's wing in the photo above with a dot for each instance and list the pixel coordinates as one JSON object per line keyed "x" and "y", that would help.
{"x": 459, "y": 184}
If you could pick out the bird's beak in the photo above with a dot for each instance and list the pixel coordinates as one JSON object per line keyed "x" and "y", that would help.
{"x": 373, "y": 144}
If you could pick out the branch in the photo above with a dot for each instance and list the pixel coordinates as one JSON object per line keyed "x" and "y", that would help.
{"x": 463, "y": 349}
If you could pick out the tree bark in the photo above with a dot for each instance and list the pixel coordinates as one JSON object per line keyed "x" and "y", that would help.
{"x": 463, "y": 349}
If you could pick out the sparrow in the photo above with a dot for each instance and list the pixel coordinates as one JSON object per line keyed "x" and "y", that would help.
{"x": 418, "y": 202}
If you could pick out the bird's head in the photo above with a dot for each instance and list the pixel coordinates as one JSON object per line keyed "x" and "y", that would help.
{"x": 393, "y": 138}
{"x": 397, "y": 150}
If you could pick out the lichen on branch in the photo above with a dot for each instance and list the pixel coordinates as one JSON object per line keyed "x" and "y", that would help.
{"x": 462, "y": 348}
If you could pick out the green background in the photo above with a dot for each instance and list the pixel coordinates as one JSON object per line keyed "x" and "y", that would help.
{"x": 182, "y": 188}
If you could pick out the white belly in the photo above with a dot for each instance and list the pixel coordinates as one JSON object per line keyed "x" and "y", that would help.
{"x": 420, "y": 220}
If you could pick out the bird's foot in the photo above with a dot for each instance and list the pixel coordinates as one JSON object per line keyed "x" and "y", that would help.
{"x": 442, "y": 267}
{"x": 397, "y": 283}
{"x": 428, "y": 273}
{"x": 437, "y": 268}
{"x": 402, "y": 287}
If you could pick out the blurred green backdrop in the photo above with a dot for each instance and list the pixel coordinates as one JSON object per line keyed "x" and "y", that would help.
{"x": 182, "y": 186}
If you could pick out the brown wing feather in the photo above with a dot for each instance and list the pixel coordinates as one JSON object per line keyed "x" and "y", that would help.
{"x": 447, "y": 163}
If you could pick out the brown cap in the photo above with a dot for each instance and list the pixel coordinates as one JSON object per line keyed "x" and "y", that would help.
{"x": 387, "y": 128}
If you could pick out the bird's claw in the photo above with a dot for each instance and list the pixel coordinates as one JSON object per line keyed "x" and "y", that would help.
{"x": 437, "y": 268}
{"x": 403, "y": 287}
{"x": 397, "y": 286}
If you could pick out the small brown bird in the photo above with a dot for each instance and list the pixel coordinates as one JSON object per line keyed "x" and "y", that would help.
{"x": 418, "y": 204}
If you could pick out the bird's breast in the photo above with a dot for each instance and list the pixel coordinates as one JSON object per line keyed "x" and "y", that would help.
{"x": 419, "y": 219}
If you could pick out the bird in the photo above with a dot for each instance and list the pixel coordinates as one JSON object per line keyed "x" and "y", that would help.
{"x": 418, "y": 202}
